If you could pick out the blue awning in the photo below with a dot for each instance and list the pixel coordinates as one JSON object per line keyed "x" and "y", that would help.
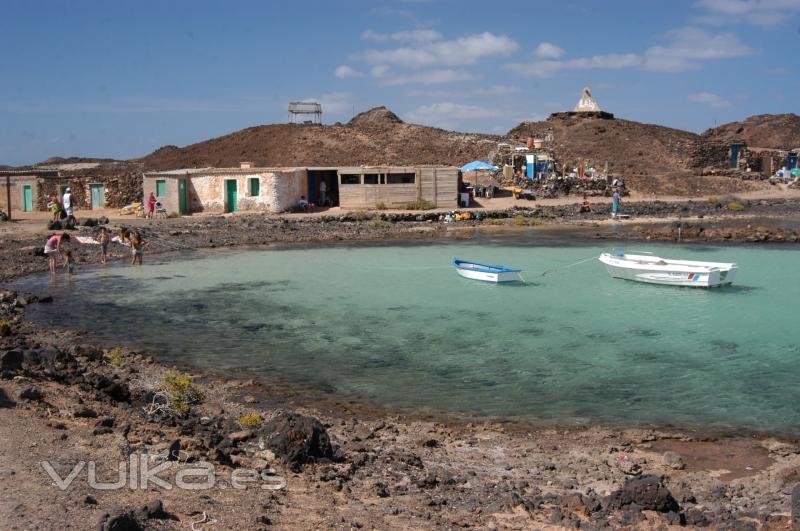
{"x": 478, "y": 165}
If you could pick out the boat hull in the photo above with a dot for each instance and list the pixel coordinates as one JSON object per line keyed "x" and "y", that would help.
{"x": 671, "y": 273}
{"x": 486, "y": 272}
{"x": 488, "y": 277}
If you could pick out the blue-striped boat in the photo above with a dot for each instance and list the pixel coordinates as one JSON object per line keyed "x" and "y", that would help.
{"x": 486, "y": 272}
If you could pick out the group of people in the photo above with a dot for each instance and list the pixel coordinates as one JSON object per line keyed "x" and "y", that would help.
{"x": 64, "y": 208}
{"x": 323, "y": 197}
{"x": 53, "y": 250}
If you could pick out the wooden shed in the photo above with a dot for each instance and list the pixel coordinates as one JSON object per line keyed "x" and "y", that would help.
{"x": 398, "y": 187}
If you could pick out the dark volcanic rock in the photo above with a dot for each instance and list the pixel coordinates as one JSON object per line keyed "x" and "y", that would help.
{"x": 796, "y": 507}
{"x": 7, "y": 296}
{"x": 297, "y": 439}
{"x": 31, "y": 393}
{"x": 647, "y": 492}
{"x": 85, "y": 413}
{"x": 10, "y": 360}
{"x": 119, "y": 519}
{"x": 5, "y": 401}
{"x": 125, "y": 519}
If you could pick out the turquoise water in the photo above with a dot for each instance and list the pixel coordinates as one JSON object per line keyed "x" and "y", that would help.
{"x": 395, "y": 326}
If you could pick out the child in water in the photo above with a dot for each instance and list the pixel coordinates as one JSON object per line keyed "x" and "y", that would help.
{"x": 52, "y": 248}
{"x": 137, "y": 248}
{"x": 69, "y": 262}
{"x": 102, "y": 239}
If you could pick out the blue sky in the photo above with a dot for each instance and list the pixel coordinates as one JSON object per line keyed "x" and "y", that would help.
{"x": 120, "y": 79}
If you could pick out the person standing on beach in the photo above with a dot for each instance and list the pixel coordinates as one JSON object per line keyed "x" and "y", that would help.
{"x": 615, "y": 203}
{"x": 55, "y": 207}
{"x": 52, "y": 249}
{"x": 102, "y": 239}
{"x": 323, "y": 187}
{"x": 151, "y": 205}
{"x": 66, "y": 203}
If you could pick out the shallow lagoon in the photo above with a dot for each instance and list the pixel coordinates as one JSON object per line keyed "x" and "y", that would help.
{"x": 395, "y": 326}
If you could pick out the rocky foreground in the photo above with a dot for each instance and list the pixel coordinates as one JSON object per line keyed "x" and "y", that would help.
{"x": 236, "y": 454}
{"x": 204, "y": 451}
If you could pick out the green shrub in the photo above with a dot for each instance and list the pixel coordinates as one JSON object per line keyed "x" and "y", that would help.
{"x": 250, "y": 420}
{"x": 182, "y": 392}
{"x": 173, "y": 215}
{"x": 520, "y": 220}
{"x": 735, "y": 206}
{"x": 113, "y": 356}
{"x": 380, "y": 223}
{"x": 422, "y": 204}
{"x": 713, "y": 200}
{"x": 360, "y": 215}
{"x": 5, "y": 328}
{"x": 492, "y": 221}
{"x": 380, "y": 205}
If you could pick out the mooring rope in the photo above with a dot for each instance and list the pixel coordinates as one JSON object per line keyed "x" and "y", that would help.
{"x": 570, "y": 265}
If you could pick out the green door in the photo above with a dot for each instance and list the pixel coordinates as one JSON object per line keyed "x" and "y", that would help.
{"x": 182, "y": 206}
{"x": 230, "y": 196}
{"x": 98, "y": 196}
{"x": 27, "y": 198}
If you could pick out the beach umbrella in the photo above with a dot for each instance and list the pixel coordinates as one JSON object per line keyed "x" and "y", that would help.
{"x": 476, "y": 165}
{"x": 795, "y": 172}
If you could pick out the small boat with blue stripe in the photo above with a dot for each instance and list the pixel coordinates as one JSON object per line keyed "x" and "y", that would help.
{"x": 656, "y": 270}
{"x": 486, "y": 272}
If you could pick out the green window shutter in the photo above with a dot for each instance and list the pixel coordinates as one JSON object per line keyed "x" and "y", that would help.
{"x": 161, "y": 188}
{"x": 255, "y": 187}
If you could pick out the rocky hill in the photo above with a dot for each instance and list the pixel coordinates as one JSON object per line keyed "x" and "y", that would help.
{"x": 769, "y": 131}
{"x": 651, "y": 158}
{"x": 376, "y": 136}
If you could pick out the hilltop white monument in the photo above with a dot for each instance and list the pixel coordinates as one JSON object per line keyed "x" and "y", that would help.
{"x": 587, "y": 103}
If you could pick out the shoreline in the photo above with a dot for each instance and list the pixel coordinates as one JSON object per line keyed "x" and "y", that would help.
{"x": 764, "y": 221}
{"x": 281, "y": 391}
{"x": 387, "y": 468}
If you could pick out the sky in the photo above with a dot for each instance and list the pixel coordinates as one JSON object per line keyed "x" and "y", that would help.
{"x": 121, "y": 79}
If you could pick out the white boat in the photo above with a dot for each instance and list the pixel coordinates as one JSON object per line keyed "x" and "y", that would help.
{"x": 486, "y": 272}
{"x": 656, "y": 270}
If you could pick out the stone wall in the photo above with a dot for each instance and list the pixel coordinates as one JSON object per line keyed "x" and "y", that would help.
{"x": 709, "y": 154}
{"x": 120, "y": 189}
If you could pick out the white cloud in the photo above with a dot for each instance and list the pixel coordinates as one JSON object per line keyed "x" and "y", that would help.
{"x": 334, "y": 102}
{"x": 709, "y": 98}
{"x": 758, "y": 12}
{"x": 423, "y": 77}
{"x": 548, "y": 50}
{"x": 345, "y": 71}
{"x": 686, "y": 49}
{"x": 412, "y": 36}
{"x": 462, "y": 51}
{"x": 689, "y": 46}
{"x": 445, "y": 114}
{"x": 613, "y": 61}
{"x": 476, "y": 92}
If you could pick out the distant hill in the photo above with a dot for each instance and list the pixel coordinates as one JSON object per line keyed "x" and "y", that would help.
{"x": 651, "y": 158}
{"x": 377, "y": 136}
{"x": 770, "y": 131}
